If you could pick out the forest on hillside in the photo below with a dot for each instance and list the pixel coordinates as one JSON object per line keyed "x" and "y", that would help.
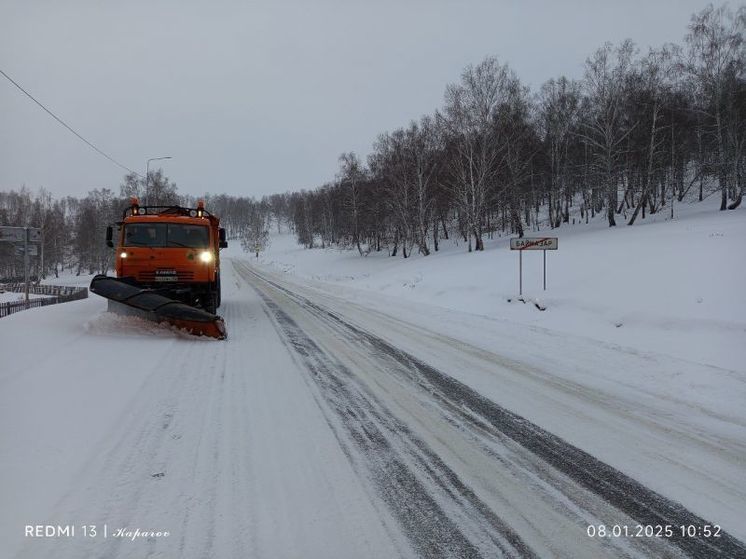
{"x": 637, "y": 134}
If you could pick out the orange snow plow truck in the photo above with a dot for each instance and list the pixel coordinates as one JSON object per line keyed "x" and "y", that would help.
{"x": 167, "y": 267}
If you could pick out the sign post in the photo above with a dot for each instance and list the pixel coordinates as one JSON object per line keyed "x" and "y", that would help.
{"x": 532, "y": 243}
{"x": 23, "y": 235}
{"x": 25, "y": 263}
{"x": 545, "y": 270}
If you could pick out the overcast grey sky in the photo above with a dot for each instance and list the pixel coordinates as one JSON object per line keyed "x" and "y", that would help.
{"x": 251, "y": 98}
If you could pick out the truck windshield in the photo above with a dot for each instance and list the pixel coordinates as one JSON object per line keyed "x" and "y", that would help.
{"x": 166, "y": 235}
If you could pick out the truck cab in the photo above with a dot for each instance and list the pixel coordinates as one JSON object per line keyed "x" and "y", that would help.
{"x": 172, "y": 250}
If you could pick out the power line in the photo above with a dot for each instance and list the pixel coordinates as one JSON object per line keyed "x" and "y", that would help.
{"x": 63, "y": 123}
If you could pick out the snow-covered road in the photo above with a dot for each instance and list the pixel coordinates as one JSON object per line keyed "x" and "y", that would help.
{"x": 327, "y": 428}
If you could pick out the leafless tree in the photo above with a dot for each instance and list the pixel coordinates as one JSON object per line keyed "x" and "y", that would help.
{"x": 471, "y": 109}
{"x": 607, "y": 128}
{"x": 351, "y": 174}
{"x": 716, "y": 61}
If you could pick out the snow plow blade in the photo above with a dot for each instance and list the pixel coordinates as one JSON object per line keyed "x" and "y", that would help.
{"x": 145, "y": 303}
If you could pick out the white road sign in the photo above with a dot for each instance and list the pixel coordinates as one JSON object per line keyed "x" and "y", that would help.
{"x": 534, "y": 243}
{"x": 12, "y": 234}
{"x": 17, "y": 234}
{"x": 33, "y": 250}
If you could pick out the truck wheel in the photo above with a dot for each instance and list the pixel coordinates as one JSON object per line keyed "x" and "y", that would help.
{"x": 219, "y": 297}
{"x": 210, "y": 304}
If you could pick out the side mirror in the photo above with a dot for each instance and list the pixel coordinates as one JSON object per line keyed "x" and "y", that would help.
{"x": 221, "y": 235}
{"x": 109, "y": 235}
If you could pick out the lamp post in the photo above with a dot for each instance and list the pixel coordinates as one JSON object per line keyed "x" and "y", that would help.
{"x": 147, "y": 176}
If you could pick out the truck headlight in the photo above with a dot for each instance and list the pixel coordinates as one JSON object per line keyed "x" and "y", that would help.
{"x": 206, "y": 256}
{"x": 122, "y": 254}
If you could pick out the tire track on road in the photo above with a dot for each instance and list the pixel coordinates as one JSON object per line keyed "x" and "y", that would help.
{"x": 432, "y": 531}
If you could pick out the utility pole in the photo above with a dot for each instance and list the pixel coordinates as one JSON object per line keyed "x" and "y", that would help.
{"x": 25, "y": 260}
{"x": 147, "y": 175}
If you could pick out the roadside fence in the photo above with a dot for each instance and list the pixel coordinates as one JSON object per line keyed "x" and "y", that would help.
{"x": 55, "y": 294}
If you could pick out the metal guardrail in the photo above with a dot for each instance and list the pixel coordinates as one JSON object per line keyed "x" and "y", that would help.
{"x": 56, "y": 294}
{"x": 43, "y": 289}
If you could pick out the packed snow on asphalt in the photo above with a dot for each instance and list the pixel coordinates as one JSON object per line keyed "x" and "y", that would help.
{"x": 353, "y": 414}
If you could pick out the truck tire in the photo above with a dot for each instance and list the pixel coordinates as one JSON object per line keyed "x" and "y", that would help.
{"x": 210, "y": 302}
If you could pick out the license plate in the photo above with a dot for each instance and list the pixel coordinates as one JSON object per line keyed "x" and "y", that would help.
{"x": 165, "y": 275}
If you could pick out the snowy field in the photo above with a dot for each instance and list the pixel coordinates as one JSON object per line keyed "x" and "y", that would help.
{"x": 364, "y": 406}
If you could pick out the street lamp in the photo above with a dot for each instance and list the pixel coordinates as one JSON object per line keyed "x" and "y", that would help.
{"x": 147, "y": 176}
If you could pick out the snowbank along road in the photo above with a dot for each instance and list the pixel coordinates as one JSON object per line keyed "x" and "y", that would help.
{"x": 311, "y": 433}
